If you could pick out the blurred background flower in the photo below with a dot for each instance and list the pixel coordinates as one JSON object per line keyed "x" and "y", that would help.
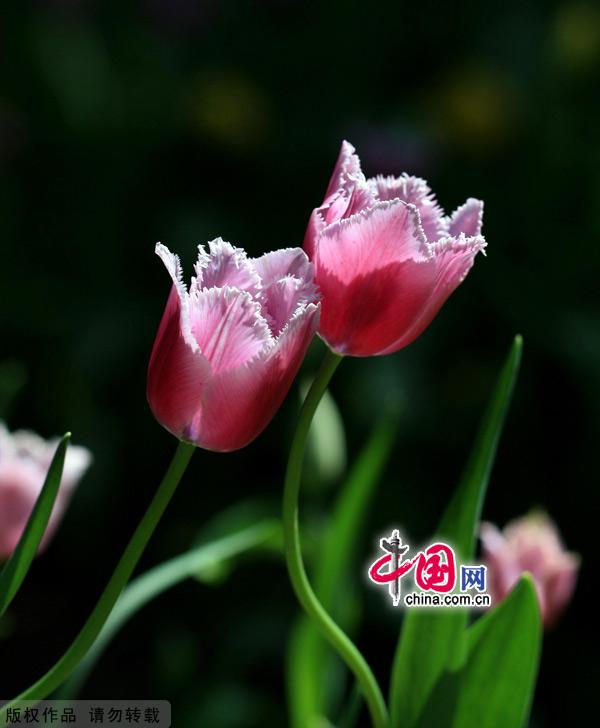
{"x": 24, "y": 461}
{"x": 531, "y": 543}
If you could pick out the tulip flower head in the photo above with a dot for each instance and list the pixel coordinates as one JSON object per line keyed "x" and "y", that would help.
{"x": 532, "y": 544}
{"x": 24, "y": 462}
{"x": 228, "y": 349}
{"x": 386, "y": 257}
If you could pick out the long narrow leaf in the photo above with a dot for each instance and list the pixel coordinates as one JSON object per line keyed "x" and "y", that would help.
{"x": 433, "y": 641}
{"x": 17, "y": 566}
{"x": 147, "y": 587}
{"x": 309, "y": 657}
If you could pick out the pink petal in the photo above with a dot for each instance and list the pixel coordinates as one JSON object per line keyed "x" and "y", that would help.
{"x": 492, "y": 539}
{"x": 387, "y": 233}
{"x": 355, "y": 198}
{"x": 560, "y": 587}
{"x": 288, "y": 280}
{"x": 278, "y": 264}
{"x": 21, "y": 481}
{"x": 225, "y": 266}
{"x": 316, "y": 223}
{"x": 348, "y": 193}
{"x": 20, "y": 485}
{"x": 240, "y": 403}
{"x": 24, "y": 461}
{"x": 348, "y": 164}
{"x": 375, "y": 275}
{"x": 503, "y": 569}
{"x": 177, "y": 371}
{"x": 227, "y": 326}
{"x": 453, "y": 260}
{"x": 414, "y": 191}
{"x": 467, "y": 219}
{"x": 283, "y": 298}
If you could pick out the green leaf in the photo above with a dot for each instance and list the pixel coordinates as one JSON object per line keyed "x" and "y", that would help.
{"x": 18, "y": 564}
{"x": 498, "y": 679}
{"x": 147, "y": 587}
{"x": 326, "y": 444}
{"x": 309, "y": 656}
{"x": 495, "y": 685}
{"x": 237, "y": 518}
{"x": 61, "y": 670}
{"x": 433, "y": 641}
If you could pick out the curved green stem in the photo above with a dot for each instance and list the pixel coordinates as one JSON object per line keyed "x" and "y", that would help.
{"x": 85, "y": 639}
{"x": 306, "y": 596}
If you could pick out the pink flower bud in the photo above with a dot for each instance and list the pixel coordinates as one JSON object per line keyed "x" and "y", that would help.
{"x": 228, "y": 349}
{"x": 531, "y": 543}
{"x": 386, "y": 257}
{"x": 24, "y": 462}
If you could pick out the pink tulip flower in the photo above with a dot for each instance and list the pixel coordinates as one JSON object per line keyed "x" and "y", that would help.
{"x": 531, "y": 543}
{"x": 386, "y": 257}
{"x": 228, "y": 349}
{"x": 24, "y": 462}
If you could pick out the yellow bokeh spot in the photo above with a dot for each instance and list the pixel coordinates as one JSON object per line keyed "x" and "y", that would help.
{"x": 228, "y": 108}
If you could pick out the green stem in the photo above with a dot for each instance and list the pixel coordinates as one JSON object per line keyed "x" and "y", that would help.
{"x": 85, "y": 639}
{"x": 306, "y": 596}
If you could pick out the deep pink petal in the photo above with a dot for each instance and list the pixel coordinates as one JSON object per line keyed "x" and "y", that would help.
{"x": 177, "y": 373}
{"x": 225, "y": 266}
{"x": 240, "y": 403}
{"x": 453, "y": 260}
{"x": 467, "y": 219}
{"x": 227, "y": 325}
{"x": 375, "y": 274}
{"x": 366, "y": 315}
{"x": 414, "y": 191}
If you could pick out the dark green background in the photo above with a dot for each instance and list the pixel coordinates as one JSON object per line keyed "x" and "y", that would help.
{"x": 124, "y": 123}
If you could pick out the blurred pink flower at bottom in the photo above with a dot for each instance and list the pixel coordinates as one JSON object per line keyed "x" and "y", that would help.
{"x": 24, "y": 461}
{"x": 531, "y": 543}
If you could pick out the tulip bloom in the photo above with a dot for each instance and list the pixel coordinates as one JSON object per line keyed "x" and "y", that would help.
{"x": 532, "y": 544}
{"x": 24, "y": 462}
{"x": 228, "y": 349}
{"x": 386, "y": 257}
